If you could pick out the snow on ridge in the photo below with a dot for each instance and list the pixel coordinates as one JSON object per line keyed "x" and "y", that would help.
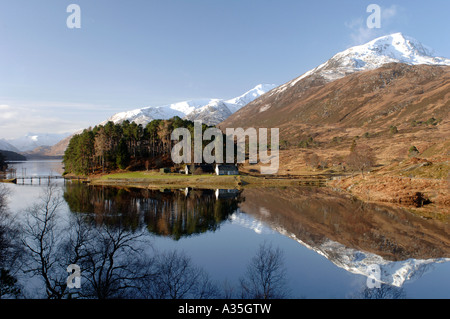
{"x": 395, "y": 47}
{"x": 243, "y": 220}
{"x": 210, "y": 111}
{"x": 394, "y": 273}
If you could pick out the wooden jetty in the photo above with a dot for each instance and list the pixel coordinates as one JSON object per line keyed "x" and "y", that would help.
{"x": 32, "y": 179}
{"x": 8, "y": 180}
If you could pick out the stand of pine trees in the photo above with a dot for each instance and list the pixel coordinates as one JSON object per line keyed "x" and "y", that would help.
{"x": 117, "y": 146}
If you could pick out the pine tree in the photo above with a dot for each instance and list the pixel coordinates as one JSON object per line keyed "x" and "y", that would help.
{"x": 123, "y": 155}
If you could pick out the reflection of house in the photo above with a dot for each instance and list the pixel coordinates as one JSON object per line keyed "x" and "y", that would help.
{"x": 226, "y": 170}
{"x": 226, "y": 193}
{"x": 203, "y": 168}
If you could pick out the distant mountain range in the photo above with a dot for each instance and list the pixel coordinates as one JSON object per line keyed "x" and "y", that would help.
{"x": 31, "y": 141}
{"x": 6, "y": 146}
{"x": 407, "y": 81}
{"x": 209, "y": 111}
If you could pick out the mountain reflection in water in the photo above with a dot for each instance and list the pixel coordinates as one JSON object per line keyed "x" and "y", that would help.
{"x": 352, "y": 234}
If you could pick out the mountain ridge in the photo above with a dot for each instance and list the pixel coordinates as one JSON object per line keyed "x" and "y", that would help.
{"x": 395, "y": 47}
{"x": 393, "y": 68}
{"x": 210, "y": 111}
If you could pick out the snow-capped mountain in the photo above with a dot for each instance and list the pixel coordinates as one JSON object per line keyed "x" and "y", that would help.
{"x": 372, "y": 55}
{"x": 210, "y": 111}
{"x": 6, "y": 146}
{"x": 33, "y": 140}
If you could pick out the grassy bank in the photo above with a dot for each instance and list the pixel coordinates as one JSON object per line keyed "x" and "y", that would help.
{"x": 169, "y": 180}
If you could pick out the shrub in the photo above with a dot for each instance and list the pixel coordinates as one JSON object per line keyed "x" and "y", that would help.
{"x": 305, "y": 143}
{"x": 337, "y": 139}
{"x": 413, "y": 151}
{"x": 432, "y": 121}
{"x": 393, "y": 130}
{"x": 312, "y": 160}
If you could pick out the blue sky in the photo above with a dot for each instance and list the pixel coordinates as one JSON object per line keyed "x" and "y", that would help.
{"x": 137, "y": 53}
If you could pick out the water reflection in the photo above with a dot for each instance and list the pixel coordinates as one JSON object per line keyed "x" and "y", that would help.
{"x": 352, "y": 234}
{"x": 172, "y": 213}
{"x": 112, "y": 260}
{"x": 35, "y": 168}
{"x": 383, "y": 292}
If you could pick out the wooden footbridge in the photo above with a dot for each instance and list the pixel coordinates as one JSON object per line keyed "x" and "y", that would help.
{"x": 23, "y": 180}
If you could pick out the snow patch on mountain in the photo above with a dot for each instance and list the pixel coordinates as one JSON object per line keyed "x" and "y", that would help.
{"x": 210, "y": 111}
{"x": 394, "y": 48}
{"x": 394, "y": 273}
{"x": 242, "y": 219}
{"x": 30, "y": 141}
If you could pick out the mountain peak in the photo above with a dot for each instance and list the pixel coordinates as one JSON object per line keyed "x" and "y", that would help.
{"x": 392, "y": 48}
{"x": 210, "y": 111}
{"x": 399, "y": 47}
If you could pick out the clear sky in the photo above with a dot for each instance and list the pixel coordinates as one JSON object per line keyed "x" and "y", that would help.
{"x": 134, "y": 53}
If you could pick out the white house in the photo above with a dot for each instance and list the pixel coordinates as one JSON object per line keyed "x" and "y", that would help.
{"x": 226, "y": 169}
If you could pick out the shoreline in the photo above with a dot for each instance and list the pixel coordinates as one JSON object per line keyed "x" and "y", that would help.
{"x": 429, "y": 198}
{"x": 205, "y": 181}
{"x": 434, "y": 202}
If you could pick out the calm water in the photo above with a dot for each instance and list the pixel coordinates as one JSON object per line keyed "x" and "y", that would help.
{"x": 330, "y": 242}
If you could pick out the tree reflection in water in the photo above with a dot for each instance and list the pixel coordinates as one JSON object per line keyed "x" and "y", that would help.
{"x": 107, "y": 227}
{"x": 104, "y": 239}
{"x": 172, "y": 213}
{"x": 384, "y": 292}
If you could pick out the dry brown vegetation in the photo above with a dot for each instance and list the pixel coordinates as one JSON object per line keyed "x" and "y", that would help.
{"x": 391, "y": 109}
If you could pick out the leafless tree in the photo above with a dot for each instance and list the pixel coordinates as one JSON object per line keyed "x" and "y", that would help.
{"x": 361, "y": 158}
{"x": 42, "y": 238}
{"x": 312, "y": 160}
{"x": 175, "y": 277}
{"x": 113, "y": 264}
{"x": 384, "y": 292}
{"x": 9, "y": 250}
{"x": 227, "y": 290}
{"x": 4, "y": 241}
{"x": 266, "y": 275}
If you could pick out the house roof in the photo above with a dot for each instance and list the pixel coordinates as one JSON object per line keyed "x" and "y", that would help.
{"x": 227, "y": 167}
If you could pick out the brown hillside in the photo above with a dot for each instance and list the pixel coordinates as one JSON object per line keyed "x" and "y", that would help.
{"x": 370, "y": 101}
{"x": 317, "y": 215}
{"x": 389, "y": 109}
{"x": 56, "y": 150}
